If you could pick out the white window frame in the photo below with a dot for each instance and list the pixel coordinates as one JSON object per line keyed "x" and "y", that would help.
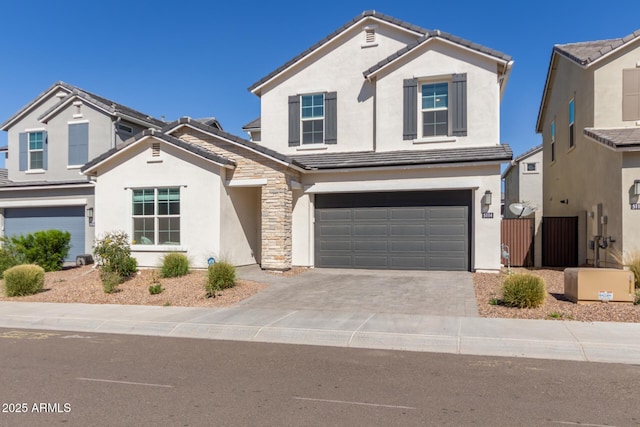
{"x": 312, "y": 118}
{"x": 572, "y": 122}
{"x": 421, "y": 110}
{"x": 36, "y": 150}
{"x": 156, "y": 217}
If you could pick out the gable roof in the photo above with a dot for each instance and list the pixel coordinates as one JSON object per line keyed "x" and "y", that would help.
{"x": 195, "y": 149}
{"x": 257, "y": 148}
{"x": 73, "y": 92}
{"x": 620, "y": 139}
{"x": 583, "y": 54}
{"x": 431, "y": 35}
{"x": 365, "y": 159}
{"x": 522, "y": 157}
{"x": 422, "y": 35}
{"x": 253, "y": 124}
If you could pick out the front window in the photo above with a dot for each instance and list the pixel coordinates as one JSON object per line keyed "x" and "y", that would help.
{"x": 571, "y": 123}
{"x": 312, "y": 113}
{"x": 435, "y": 109}
{"x": 156, "y": 216}
{"x": 36, "y": 150}
{"x": 531, "y": 167}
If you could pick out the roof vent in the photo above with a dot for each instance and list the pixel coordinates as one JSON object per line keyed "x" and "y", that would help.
{"x": 155, "y": 149}
{"x": 369, "y": 36}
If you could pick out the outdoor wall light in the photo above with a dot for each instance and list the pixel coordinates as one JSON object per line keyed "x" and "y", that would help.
{"x": 90, "y": 214}
{"x": 487, "y": 197}
{"x": 636, "y": 187}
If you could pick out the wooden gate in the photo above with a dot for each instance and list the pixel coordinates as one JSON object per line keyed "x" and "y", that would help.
{"x": 518, "y": 235}
{"x": 560, "y": 241}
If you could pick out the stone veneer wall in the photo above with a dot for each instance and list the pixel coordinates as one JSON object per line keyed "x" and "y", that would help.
{"x": 276, "y": 200}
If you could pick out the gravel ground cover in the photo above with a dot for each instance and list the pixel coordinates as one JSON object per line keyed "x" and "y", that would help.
{"x": 489, "y": 286}
{"x": 83, "y": 285}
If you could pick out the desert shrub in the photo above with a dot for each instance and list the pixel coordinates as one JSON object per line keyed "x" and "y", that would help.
{"x": 113, "y": 254}
{"x": 221, "y": 275}
{"x": 523, "y": 291}
{"x": 48, "y": 248}
{"x": 26, "y": 279}
{"x": 174, "y": 265}
{"x": 155, "y": 289}
{"x": 630, "y": 260}
{"x": 110, "y": 281}
{"x": 9, "y": 255}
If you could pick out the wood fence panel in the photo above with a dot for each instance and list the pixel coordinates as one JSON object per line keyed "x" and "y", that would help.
{"x": 560, "y": 241}
{"x": 517, "y": 233}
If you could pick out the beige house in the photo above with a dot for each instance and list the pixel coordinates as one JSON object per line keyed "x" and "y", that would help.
{"x": 378, "y": 147}
{"x": 590, "y": 123}
{"x": 523, "y": 182}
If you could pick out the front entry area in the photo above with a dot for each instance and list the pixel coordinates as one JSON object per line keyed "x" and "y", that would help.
{"x": 412, "y": 230}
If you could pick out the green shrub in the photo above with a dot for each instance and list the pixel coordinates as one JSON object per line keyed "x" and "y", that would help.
{"x": 631, "y": 260}
{"x": 48, "y": 249}
{"x": 155, "y": 289}
{"x": 26, "y": 279}
{"x": 113, "y": 253}
{"x": 110, "y": 281}
{"x": 523, "y": 291}
{"x": 174, "y": 265}
{"x": 9, "y": 255}
{"x": 221, "y": 275}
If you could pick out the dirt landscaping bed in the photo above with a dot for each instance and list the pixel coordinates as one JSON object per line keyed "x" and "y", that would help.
{"x": 83, "y": 285}
{"x": 489, "y": 286}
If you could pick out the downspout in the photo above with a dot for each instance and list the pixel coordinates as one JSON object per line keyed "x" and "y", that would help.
{"x": 113, "y": 130}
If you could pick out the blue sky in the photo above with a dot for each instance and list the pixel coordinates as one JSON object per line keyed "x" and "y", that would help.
{"x": 197, "y": 58}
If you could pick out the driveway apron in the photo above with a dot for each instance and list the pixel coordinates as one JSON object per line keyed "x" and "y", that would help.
{"x": 435, "y": 293}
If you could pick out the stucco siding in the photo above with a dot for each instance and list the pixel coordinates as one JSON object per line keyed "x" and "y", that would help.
{"x": 608, "y": 84}
{"x": 336, "y": 67}
{"x": 437, "y": 61}
{"x": 240, "y": 230}
{"x": 199, "y": 182}
{"x": 630, "y": 236}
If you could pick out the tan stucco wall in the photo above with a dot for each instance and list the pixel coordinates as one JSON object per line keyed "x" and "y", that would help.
{"x": 630, "y": 238}
{"x": 608, "y": 84}
{"x": 200, "y": 200}
{"x": 240, "y": 218}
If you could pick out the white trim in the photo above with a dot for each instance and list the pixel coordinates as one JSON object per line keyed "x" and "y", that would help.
{"x": 42, "y": 203}
{"x": 258, "y": 182}
{"x": 78, "y": 116}
{"x": 70, "y": 167}
{"x": 153, "y": 185}
{"x": 35, "y": 171}
{"x": 435, "y": 139}
{"x": 77, "y": 122}
{"x": 35, "y": 130}
{"x": 408, "y": 167}
{"x": 158, "y": 248}
{"x": 35, "y": 104}
{"x": 312, "y": 147}
{"x": 463, "y": 183}
{"x": 47, "y": 187}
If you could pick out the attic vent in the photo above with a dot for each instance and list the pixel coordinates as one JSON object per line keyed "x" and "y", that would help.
{"x": 155, "y": 149}
{"x": 369, "y": 35}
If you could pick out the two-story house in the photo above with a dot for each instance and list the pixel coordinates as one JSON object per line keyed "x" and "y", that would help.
{"x": 377, "y": 147}
{"x": 589, "y": 119}
{"x": 48, "y": 142}
{"x": 523, "y": 182}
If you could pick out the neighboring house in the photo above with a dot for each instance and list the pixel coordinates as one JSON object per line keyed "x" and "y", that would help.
{"x": 378, "y": 147}
{"x": 523, "y": 181}
{"x": 590, "y": 123}
{"x": 48, "y": 142}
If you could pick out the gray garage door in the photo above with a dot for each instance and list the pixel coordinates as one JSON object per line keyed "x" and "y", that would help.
{"x": 65, "y": 218}
{"x": 421, "y": 230}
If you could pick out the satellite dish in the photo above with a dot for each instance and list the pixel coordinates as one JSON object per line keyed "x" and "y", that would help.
{"x": 520, "y": 209}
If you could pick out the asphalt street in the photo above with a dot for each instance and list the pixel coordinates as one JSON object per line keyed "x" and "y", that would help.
{"x": 78, "y": 379}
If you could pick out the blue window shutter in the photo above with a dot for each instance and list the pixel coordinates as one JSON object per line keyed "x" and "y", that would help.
{"x": 45, "y": 149}
{"x": 410, "y": 109}
{"x": 23, "y": 149}
{"x": 459, "y": 101}
{"x": 294, "y": 121}
{"x": 78, "y": 143}
{"x": 331, "y": 118}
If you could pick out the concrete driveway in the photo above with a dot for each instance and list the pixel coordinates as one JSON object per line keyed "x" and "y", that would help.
{"x": 436, "y": 293}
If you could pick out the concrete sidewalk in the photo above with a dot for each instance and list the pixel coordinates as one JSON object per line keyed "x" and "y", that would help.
{"x": 546, "y": 339}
